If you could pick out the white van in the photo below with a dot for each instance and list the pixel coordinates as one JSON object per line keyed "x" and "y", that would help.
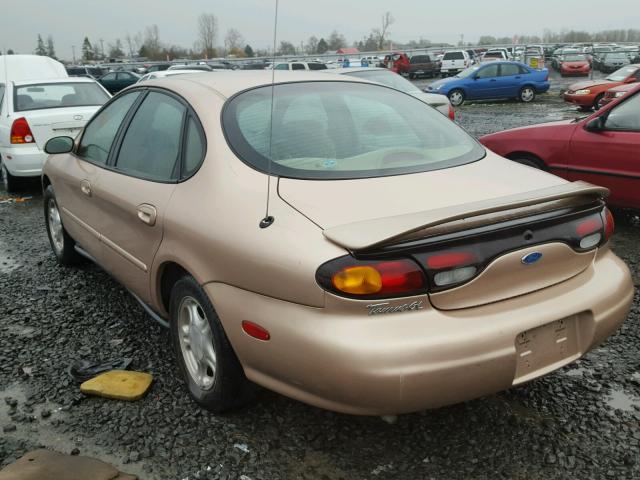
{"x": 38, "y": 101}
{"x": 454, "y": 62}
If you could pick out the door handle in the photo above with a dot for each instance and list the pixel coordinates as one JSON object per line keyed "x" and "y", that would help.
{"x": 518, "y": 77}
{"x": 85, "y": 187}
{"x": 147, "y": 214}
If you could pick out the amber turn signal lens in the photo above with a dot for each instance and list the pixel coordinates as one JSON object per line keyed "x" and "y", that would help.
{"x": 358, "y": 280}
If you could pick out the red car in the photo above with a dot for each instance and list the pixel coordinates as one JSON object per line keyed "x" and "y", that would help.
{"x": 575, "y": 64}
{"x": 616, "y": 92}
{"x": 588, "y": 93}
{"x": 603, "y": 148}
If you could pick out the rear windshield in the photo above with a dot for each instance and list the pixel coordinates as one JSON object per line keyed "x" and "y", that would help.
{"x": 58, "y": 95}
{"x": 342, "y": 130}
{"x": 453, "y": 56}
{"x": 420, "y": 59}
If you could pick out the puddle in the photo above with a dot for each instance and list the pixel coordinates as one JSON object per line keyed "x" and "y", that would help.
{"x": 622, "y": 401}
{"x": 575, "y": 372}
{"x": 7, "y": 262}
{"x": 42, "y": 432}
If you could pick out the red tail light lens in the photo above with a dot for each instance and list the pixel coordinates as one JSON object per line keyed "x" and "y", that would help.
{"x": 450, "y": 259}
{"x": 609, "y": 224}
{"x": 20, "y": 131}
{"x": 347, "y": 276}
{"x": 256, "y": 331}
{"x": 452, "y": 113}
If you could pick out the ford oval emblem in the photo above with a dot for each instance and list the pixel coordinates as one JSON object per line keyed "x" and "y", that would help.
{"x": 531, "y": 258}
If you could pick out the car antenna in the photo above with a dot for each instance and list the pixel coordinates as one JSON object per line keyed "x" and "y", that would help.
{"x": 268, "y": 219}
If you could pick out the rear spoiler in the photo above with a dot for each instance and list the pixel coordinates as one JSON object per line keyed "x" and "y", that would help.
{"x": 375, "y": 232}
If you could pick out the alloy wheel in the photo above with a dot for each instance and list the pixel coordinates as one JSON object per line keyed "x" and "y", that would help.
{"x": 55, "y": 226}
{"x": 196, "y": 343}
{"x": 527, "y": 94}
{"x": 456, "y": 98}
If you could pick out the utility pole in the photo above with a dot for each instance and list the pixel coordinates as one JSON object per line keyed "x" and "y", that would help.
{"x": 73, "y": 49}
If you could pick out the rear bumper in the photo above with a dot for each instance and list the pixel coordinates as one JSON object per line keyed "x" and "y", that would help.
{"x": 580, "y": 100}
{"x": 23, "y": 160}
{"x": 339, "y": 358}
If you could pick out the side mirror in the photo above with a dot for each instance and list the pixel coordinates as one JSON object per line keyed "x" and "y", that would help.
{"x": 595, "y": 125}
{"x": 59, "y": 145}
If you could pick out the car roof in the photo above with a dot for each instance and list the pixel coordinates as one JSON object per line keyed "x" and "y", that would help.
{"x": 229, "y": 83}
{"x": 54, "y": 80}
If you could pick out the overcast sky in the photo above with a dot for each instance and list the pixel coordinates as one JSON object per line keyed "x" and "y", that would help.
{"x": 68, "y": 21}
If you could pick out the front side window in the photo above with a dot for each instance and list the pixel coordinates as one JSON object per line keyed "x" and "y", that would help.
{"x": 151, "y": 144}
{"x": 625, "y": 116}
{"x": 338, "y": 130}
{"x": 99, "y": 134}
{"x": 58, "y": 95}
{"x": 282, "y": 66}
{"x": 297, "y": 66}
{"x": 488, "y": 72}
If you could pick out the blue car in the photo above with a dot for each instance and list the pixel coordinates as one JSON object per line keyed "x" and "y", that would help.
{"x": 492, "y": 81}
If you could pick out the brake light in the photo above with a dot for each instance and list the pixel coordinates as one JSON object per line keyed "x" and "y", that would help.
{"x": 21, "y": 132}
{"x": 452, "y": 113}
{"x": 450, "y": 259}
{"x": 375, "y": 279}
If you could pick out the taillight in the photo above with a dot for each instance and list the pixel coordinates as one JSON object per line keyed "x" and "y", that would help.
{"x": 609, "y": 224}
{"x": 20, "y": 131}
{"x": 590, "y": 232}
{"x": 452, "y": 113}
{"x": 347, "y": 276}
{"x": 451, "y": 267}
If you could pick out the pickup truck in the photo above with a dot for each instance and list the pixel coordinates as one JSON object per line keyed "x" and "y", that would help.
{"x": 423, "y": 66}
{"x": 397, "y": 62}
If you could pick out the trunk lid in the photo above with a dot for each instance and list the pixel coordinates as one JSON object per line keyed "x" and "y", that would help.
{"x": 502, "y": 218}
{"x": 48, "y": 123}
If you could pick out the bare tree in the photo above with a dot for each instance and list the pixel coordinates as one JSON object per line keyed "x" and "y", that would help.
{"x": 312, "y": 44}
{"x": 207, "y": 32}
{"x": 233, "y": 40}
{"x": 381, "y": 34}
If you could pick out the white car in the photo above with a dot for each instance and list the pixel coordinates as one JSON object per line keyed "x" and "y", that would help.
{"x": 386, "y": 77}
{"x": 34, "y": 110}
{"x": 165, "y": 74}
{"x": 454, "y": 62}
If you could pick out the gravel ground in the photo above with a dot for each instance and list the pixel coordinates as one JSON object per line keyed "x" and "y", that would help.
{"x": 581, "y": 422}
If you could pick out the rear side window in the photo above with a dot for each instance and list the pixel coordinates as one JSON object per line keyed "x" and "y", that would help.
{"x": 1, "y": 95}
{"x": 453, "y": 56}
{"x": 317, "y": 66}
{"x": 99, "y": 134}
{"x": 509, "y": 69}
{"x": 151, "y": 144}
{"x": 194, "y": 148}
{"x": 297, "y": 66}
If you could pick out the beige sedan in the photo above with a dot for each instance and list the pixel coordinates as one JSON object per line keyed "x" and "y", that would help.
{"x": 334, "y": 240}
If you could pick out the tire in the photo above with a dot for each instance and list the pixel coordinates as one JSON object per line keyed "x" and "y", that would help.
{"x": 11, "y": 184}
{"x": 411, "y": 76}
{"x": 61, "y": 242}
{"x": 596, "y": 101}
{"x": 209, "y": 366}
{"x": 456, "y": 97}
{"x": 527, "y": 94}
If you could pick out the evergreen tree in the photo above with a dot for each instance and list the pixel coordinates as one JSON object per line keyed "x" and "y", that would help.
{"x": 322, "y": 47}
{"x": 87, "y": 50}
{"x": 51, "y": 52}
{"x": 40, "y": 49}
{"x": 248, "y": 51}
